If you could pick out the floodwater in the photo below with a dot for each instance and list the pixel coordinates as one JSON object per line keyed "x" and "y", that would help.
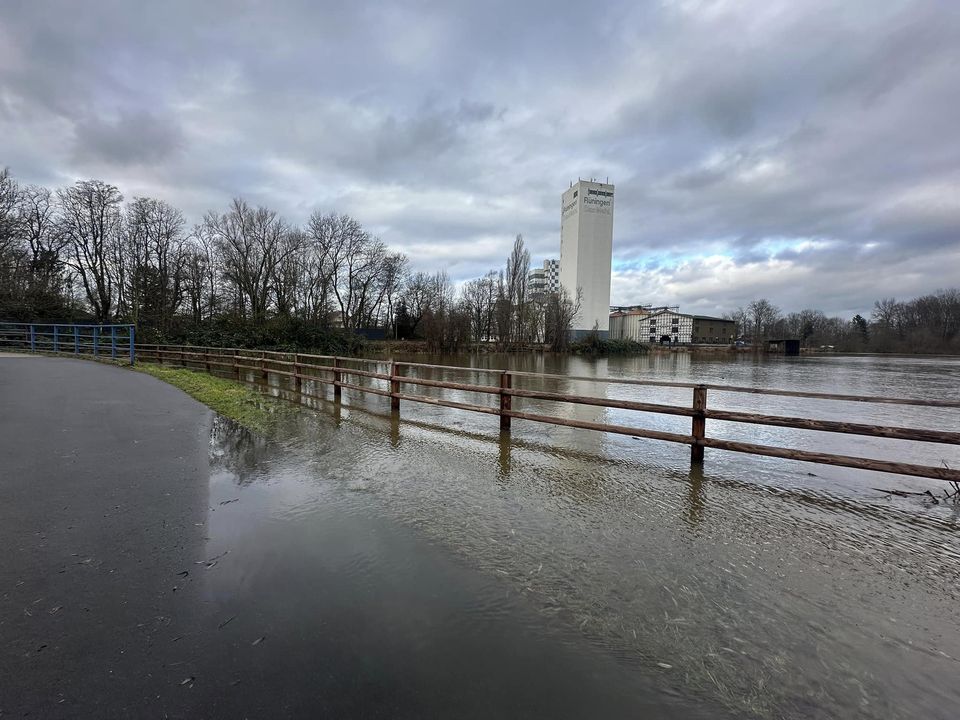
{"x": 600, "y": 573}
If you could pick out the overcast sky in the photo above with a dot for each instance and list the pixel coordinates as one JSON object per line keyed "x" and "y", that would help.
{"x": 805, "y": 151}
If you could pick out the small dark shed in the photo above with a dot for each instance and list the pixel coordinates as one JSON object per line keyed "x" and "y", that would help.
{"x": 786, "y": 346}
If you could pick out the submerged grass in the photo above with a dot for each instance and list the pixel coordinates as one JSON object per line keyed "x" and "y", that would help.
{"x": 246, "y": 406}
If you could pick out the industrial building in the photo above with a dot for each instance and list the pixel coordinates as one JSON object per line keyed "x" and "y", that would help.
{"x": 586, "y": 252}
{"x": 666, "y": 325}
{"x": 544, "y": 280}
{"x": 713, "y": 331}
{"x": 652, "y": 325}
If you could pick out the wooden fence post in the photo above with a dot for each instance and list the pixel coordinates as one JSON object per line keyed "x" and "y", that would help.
{"x": 505, "y": 400}
{"x": 699, "y": 425}
{"x": 236, "y": 366}
{"x": 394, "y": 389}
{"x": 337, "y": 390}
{"x": 206, "y": 359}
{"x": 297, "y": 380}
{"x": 263, "y": 366}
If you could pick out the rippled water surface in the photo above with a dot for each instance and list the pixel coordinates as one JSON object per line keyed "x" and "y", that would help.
{"x": 766, "y": 587}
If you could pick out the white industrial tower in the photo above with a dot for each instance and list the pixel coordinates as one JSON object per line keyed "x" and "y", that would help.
{"x": 586, "y": 252}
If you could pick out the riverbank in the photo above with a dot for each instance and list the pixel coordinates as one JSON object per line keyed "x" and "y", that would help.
{"x": 245, "y": 406}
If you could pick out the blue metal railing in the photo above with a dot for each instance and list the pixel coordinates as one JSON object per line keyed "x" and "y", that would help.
{"x": 64, "y": 338}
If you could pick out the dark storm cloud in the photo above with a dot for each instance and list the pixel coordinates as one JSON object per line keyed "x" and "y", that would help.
{"x": 803, "y": 151}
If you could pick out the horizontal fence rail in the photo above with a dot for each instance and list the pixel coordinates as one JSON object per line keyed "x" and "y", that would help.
{"x": 100, "y": 341}
{"x": 401, "y": 380}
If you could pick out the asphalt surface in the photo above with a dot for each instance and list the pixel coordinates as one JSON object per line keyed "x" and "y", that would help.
{"x": 103, "y": 481}
{"x": 110, "y": 503}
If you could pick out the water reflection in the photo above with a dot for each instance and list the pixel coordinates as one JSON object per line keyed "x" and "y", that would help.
{"x": 770, "y": 590}
{"x": 696, "y": 500}
{"x": 364, "y": 618}
{"x": 504, "y": 444}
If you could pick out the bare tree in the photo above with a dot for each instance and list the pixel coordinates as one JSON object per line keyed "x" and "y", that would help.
{"x": 561, "y": 309}
{"x": 91, "y": 223}
{"x": 518, "y": 268}
{"x": 479, "y": 298}
{"x": 416, "y": 297}
{"x": 361, "y": 270}
{"x": 152, "y": 263}
{"x": 45, "y": 244}
{"x": 250, "y": 245}
{"x": 763, "y": 316}
{"x": 9, "y": 199}
{"x": 290, "y": 271}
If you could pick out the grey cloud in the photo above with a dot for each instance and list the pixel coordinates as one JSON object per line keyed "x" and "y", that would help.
{"x": 137, "y": 137}
{"x": 738, "y": 134}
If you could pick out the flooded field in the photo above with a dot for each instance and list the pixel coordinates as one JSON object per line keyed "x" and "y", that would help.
{"x": 764, "y": 587}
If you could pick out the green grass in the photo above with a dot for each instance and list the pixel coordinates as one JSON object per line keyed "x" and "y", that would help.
{"x": 240, "y": 403}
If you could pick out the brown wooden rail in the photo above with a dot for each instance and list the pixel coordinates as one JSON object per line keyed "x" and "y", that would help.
{"x": 323, "y": 370}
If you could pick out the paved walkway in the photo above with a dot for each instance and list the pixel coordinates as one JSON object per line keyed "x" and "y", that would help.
{"x": 103, "y": 479}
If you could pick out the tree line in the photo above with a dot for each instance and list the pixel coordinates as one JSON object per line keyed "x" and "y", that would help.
{"x": 82, "y": 252}
{"x": 927, "y": 324}
{"x": 247, "y": 276}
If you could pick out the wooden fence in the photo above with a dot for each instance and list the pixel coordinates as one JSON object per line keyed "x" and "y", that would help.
{"x": 318, "y": 371}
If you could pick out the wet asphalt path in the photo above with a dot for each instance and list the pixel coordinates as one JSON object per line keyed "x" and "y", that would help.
{"x": 105, "y": 499}
{"x": 103, "y": 475}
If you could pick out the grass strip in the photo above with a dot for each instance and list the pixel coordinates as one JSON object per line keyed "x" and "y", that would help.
{"x": 242, "y": 404}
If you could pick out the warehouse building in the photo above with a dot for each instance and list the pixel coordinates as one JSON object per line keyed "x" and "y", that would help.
{"x": 666, "y": 325}
{"x": 713, "y": 331}
{"x": 652, "y": 325}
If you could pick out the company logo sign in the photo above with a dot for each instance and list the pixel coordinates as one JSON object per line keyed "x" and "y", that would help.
{"x": 598, "y": 198}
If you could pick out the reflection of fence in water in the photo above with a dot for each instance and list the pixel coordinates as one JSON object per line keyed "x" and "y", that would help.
{"x": 493, "y": 392}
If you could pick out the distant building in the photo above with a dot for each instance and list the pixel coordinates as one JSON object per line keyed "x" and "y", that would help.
{"x": 544, "y": 280}
{"x": 714, "y": 331}
{"x": 586, "y": 252}
{"x": 649, "y": 324}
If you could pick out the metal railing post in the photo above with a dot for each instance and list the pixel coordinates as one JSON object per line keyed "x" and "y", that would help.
{"x": 133, "y": 352}
{"x": 505, "y": 400}
{"x": 33, "y": 339}
{"x": 96, "y": 340}
{"x": 337, "y": 390}
{"x": 76, "y": 339}
{"x": 113, "y": 342}
{"x": 394, "y": 388}
{"x": 56, "y": 338}
{"x": 699, "y": 425}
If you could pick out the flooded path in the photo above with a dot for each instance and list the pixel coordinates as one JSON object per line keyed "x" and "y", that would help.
{"x": 774, "y": 589}
{"x": 357, "y": 564}
{"x": 164, "y": 562}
